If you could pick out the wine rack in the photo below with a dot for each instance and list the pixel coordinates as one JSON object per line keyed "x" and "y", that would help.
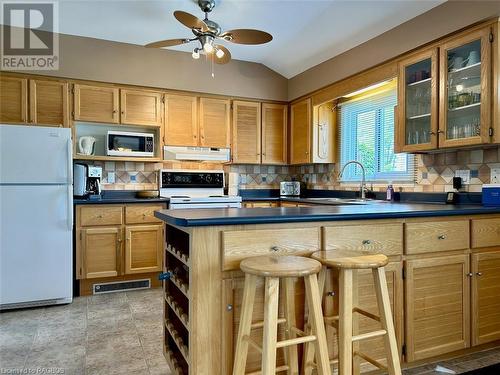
{"x": 176, "y": 300}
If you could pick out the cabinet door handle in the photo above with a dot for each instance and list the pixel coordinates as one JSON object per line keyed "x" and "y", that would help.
{"x": 99, "y": 216}
{"x": 275, "y": 248}
{"x": 442, "y": 237}
{"x": 366, "y": 242}
{"x": 330, "y": 294}
{"x": 479, "y": 273}
{"x": 229, "y": 307}
{"x": 470, "y": 274}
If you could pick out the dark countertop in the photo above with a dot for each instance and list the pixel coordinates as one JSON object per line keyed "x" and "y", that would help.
{"x": 119, "y": 197}
{"x": 373, "y": 210}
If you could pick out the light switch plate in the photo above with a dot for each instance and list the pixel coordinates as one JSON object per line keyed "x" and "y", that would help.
{"x": 111, "y": 177}
{"x": 495, "y": 175}
{"x": 464, "y": 174}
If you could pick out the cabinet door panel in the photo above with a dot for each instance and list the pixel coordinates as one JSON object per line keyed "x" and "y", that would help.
{"x": 274, "y": 130}
{"x": 367, "y": 301}
{"x": 96, "y": 103}
{"x": 140, "y": 107}
{"x": 300, "y": 140}
{"x": 437, "y": 306}
{"x": 215, "y": 122}
{"x": 246, "y": 132}
{"x": 485, "y": 297}
{"x": 13, "y": 99}
{"x": 101, "y": 249}
{"x": 465, "y": 69}
{"x": 49, "y": 103}
{"x": 181, "y": 121}
{"x": 143, "y": 248}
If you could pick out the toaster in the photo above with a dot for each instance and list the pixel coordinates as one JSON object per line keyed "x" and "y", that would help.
{"x": 290, "y": 188}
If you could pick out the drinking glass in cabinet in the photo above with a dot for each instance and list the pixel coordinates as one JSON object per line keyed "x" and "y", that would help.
{"x": 418, "y": 92}
{"x": 464, "y": 91}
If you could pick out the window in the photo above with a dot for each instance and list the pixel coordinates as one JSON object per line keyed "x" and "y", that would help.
{"x": 367, "y": 135}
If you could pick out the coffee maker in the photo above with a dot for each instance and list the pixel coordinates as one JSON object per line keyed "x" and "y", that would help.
{"x": 86, "y": 181}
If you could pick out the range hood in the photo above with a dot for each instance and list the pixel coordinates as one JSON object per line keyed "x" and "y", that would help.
{"x": 196, "y": 153}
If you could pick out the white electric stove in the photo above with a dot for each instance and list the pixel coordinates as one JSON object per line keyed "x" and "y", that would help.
{"x": 196, "y": 189}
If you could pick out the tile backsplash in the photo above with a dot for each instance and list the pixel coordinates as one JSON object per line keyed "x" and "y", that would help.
{"x": 434, "y": 173}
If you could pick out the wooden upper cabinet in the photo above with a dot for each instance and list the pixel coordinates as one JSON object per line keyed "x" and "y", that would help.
{"x": 141, "y": 107}
{"x": 300, "y": 137}
{"x": 274, "y": 133}
{"x": 181, "y": 121}
{"x": 143, "y": 248}
{"x": 465, "y": 89}
{"x": 49, "y": 103}
{"x": 437, "y": 306}
{"x": 13, "y": 99}
{"x": 96, "y": 103}
{"x": 246, "y": 146}
{"x": 417, "y": 115}
{"x": 485, "y": 300}
{"x": 215, "y": 124}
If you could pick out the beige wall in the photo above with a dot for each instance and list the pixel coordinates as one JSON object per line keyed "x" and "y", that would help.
{"x": 100, "y": 60}
{"x": 442, "y": 20}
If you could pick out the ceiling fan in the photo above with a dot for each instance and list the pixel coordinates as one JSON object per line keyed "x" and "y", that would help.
{"x": 207, "y": 32}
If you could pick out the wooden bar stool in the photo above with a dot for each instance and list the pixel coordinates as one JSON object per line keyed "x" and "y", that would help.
{"x": 274, "y": 268}
{"x": 347, "y": 262}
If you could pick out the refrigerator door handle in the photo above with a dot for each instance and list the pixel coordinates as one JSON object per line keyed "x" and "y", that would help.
{"x": 69, "y": 151}
{"x": 70, "y": 208}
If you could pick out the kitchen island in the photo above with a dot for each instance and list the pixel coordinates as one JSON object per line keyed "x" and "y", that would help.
{"x": 442, "y": 276}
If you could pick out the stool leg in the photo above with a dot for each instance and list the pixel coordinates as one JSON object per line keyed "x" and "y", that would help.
{"x": 345, "y": 322}
{"x": 308, "y": 346}
{"x": 291, "y": 351}
{"x": 271, "y": 298}
{"x": 318, "y": 326}
{"x": 241, "y": 351}
{"x": 384, "y": 305}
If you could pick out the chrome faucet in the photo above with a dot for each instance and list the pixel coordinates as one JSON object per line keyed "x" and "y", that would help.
{"x": 362, "y": 186}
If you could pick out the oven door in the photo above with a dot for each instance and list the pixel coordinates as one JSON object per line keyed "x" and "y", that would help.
{"x": 180, "y": 206}
{"x": 129, "y": 144}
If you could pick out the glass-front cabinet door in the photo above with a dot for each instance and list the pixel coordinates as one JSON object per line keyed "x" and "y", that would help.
{"x": 418, "y": 102}
{"x": 465, "y": 64}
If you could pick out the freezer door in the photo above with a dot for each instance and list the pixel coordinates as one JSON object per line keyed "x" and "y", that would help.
{"x": 36, "y": 256}
{"x": 35, "y": 155}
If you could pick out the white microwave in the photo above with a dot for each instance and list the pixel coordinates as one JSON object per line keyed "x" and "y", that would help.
{"x": 129, "y": 144}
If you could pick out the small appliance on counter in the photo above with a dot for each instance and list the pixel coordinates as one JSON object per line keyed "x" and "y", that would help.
{"x": 290, "y": 188}
{"x": 86, "y": 181}
{"x": 491, "y": 195}
{"x": 120, "y": 143}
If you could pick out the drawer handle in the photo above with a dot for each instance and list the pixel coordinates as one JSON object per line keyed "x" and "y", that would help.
{"x": 99, "y": 216}
{"x": 366, "y": 242}
{"x": 275, "y": 248}
{"x": 442, "y": 237}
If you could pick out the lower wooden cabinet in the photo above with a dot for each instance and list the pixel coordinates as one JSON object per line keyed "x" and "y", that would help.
{"x": 101, "y": 252}
{"x": 108, "y": 246}
{"x": 485, "y": 297}
{"x": 263, "y": 204}
{"x": 437, "y": 306}
{"x": 143, "y": 248}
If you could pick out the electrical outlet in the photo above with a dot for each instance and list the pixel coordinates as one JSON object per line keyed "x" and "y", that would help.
{"x": 464, "y": 174}
{"x": 495, "y": 175}
{"x": 111, "y": 178}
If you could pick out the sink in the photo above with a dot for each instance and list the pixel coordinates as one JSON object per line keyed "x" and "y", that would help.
{"x": 339, "y": 201}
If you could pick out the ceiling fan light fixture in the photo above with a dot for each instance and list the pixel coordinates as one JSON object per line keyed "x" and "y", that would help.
{"x": 208, "y": 47}
{"x": 220, "y": 53}
{"x": 196, "y": 54}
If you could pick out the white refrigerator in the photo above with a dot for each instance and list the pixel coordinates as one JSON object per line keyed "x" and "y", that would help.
{"x": 36, "y": 216}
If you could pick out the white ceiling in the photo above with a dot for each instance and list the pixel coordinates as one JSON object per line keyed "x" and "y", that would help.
{"x": 306, "y": 32}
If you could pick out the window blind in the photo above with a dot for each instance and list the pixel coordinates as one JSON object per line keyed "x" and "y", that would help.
{"x": 367, "y": 135}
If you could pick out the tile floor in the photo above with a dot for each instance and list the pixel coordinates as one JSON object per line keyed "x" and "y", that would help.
{"x": 119, "y": 333}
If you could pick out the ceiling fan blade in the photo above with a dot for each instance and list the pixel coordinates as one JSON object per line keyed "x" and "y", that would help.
{"x": 247, "y": 36}
{"x": 167, "y": 43}
{"x": 224, "y": 59}
{"x": 190, "y": 21}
